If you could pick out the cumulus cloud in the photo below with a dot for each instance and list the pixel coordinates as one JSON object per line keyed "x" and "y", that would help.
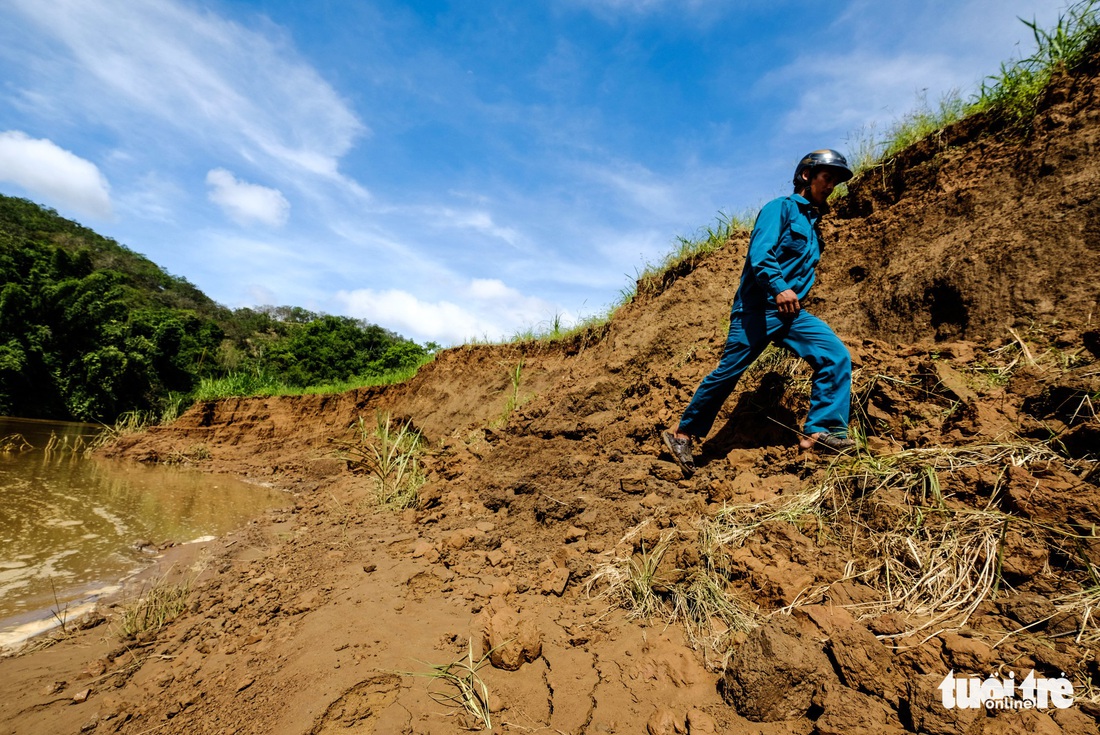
{"x": 479, "y": 308}
{"x": 63, "y": 179}
{"x": 246, "y": 203}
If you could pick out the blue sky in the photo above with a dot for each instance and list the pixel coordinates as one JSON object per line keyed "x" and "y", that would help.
{"x": 452, "y": 170}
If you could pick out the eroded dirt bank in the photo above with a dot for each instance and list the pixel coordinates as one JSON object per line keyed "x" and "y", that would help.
{"x": 785, "y": 592}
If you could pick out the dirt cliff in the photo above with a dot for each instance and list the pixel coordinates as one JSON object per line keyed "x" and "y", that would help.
{"x": 775, "y": 591}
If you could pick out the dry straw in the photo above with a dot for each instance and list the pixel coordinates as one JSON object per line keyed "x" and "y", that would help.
{"x": 924, "y": 553}
{"x": 648, "y": 584}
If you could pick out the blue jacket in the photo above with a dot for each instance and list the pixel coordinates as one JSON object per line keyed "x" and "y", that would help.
{"x": 783, "y": 253}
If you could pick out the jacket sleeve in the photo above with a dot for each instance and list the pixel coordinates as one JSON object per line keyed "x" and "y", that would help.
{"x": 763, "y": 258}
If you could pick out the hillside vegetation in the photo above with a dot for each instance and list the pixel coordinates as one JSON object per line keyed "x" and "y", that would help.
{"x": 90, "y": 329}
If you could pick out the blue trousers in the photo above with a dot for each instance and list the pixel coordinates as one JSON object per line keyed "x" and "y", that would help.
{"x": 806, "y": 336}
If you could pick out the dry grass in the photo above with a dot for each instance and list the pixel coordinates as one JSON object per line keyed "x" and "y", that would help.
{"x": 158, "y": 604}
{"x": 130, "y": 422}
{"x": 647, "y": 583}
{"x": 795, "y": 374}
{"x": 927, "y": 555}
{"x": 1083, "y": 606}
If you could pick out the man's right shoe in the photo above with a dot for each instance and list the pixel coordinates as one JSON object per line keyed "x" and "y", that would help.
{"x": 680, "y": 450}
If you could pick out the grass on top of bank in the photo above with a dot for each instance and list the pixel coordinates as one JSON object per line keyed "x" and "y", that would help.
{"x": 1012, "y": 94}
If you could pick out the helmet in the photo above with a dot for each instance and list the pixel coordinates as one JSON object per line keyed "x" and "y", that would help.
{"x": 824, "y": 157}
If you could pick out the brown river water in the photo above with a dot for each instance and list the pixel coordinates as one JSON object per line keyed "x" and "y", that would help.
{"x": 73, "y": 528}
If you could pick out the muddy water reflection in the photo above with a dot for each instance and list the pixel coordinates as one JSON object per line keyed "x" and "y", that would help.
{"x": 73, "y": 525}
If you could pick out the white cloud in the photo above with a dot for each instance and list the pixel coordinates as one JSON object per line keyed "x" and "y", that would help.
{"x": 246, "y": 203}
{"x": 637, "y": 187}
{"x": 479, "y": 308}
{"x": 476, "y": 220}
{"x": 60, "y": 177}
{"x": 150, "y": 197}
{"x": 213, "y": 81}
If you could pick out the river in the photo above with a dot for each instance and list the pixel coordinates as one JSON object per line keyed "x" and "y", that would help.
{"x": 72, "y": 528}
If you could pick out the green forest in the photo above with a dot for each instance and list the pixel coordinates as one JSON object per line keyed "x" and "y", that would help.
{"x": 90, "y": 330}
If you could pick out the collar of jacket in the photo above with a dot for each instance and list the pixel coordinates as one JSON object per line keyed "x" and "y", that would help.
{"x": 804, "y": 204}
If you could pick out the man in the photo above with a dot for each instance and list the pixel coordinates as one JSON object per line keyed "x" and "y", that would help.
{"x": 779, "y": 270}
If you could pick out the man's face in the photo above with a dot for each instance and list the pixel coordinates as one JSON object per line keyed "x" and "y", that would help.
{"x": 821, "y": 186}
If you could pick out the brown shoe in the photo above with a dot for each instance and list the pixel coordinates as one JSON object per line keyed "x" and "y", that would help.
{"x": 680, "y": 450}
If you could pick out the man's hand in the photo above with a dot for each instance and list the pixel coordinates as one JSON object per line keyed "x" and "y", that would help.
{"x": 787, "y": 302}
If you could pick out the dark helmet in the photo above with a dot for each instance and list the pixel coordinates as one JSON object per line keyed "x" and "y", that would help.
{"x": 824, "y": 157}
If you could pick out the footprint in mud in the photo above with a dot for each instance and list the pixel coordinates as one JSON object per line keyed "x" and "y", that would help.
{"x": 362, "y": 707}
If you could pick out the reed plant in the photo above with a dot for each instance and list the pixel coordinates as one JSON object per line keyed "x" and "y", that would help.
{"x": 130, "y": 422}
{"x": 15, "y": 443}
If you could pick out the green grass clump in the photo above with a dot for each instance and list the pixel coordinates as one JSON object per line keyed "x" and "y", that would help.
{"x": 515, "y": 376}
{"x": 557, "y": 329}
{"x": 923, "y": 121}
{"x": 459, "y": 686}
{"x": 253, "y": 383}
{"x": 244, "y": 383}
{"x": 1016, "y": 88}
{"x": 391, "y": 455}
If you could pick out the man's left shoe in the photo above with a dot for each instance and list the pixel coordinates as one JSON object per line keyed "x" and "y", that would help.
{"x": 829, "y": 441}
